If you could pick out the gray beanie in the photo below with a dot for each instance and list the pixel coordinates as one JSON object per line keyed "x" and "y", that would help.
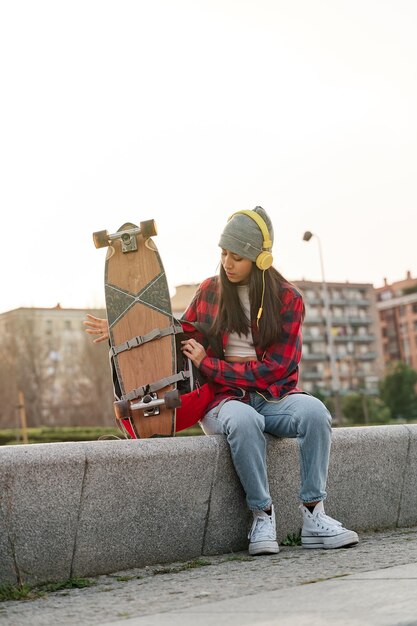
{"x": 243, "y": 236}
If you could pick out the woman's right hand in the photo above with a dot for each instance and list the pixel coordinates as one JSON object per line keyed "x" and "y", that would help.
{"x": 97, "y": 326}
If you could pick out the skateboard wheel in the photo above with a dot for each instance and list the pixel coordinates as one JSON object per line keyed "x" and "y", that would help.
{"x": 101, "y": 239}
{"x": 148, "y": 229}
{"x": 122, "y": 409}
{"x": 172, "y": 399}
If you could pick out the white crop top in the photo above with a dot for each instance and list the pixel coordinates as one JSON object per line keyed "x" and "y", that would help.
{"x": 242, "y": 345}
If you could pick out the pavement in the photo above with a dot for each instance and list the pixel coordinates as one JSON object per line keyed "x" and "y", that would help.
{"x": 374, "y": 583}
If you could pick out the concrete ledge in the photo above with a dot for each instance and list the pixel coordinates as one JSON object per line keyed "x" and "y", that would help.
{"x": 83, "y": 509}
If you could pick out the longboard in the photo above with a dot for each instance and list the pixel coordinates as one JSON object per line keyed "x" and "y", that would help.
{"x": 142, "y": 331}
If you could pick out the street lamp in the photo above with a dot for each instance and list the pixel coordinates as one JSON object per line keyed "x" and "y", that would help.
{"x": 333, "y": 364}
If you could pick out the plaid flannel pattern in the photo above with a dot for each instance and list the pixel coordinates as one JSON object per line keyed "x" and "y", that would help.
{"x": 275, "y": 372}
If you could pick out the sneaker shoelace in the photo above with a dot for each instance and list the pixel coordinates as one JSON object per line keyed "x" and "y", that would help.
{"x": 258, "y": 526}
{"x": 326, "y": 519}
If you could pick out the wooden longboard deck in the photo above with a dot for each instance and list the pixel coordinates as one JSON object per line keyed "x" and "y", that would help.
{"x": 137, "y": 302}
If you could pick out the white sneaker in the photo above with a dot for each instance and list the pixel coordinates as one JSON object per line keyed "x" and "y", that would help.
{"x": 321, "y": 531}
{"x": 263, "y": 535}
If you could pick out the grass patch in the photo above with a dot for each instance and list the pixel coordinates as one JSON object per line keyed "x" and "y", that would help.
{"x": 237, "y": 557}
{"x": 193, "y": 431}
{"x": 183, "y": 567}
{"x": 196, "y": 563}
{"x": 292, "y": 539}
{"x": 71, "y": 583}
{"x": 50, "y": 434}
{"x": 26, "y": 592}
{"x": 60, "y": 434}
{"x": 14, "y": 592}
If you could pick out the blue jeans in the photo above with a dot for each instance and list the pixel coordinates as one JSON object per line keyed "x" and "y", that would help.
{"x": 296, "y": 415}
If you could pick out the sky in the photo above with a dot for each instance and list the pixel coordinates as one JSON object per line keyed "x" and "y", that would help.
{"x": 185, "y": 111}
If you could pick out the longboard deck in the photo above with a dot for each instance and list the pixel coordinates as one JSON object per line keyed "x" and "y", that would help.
{"x": 138, "y": 302}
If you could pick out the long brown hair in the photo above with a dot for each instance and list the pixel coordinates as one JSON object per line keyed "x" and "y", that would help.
{"x": 231, "y": 316}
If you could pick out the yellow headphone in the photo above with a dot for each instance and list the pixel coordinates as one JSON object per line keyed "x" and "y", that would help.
{"x": 264, "y": 259}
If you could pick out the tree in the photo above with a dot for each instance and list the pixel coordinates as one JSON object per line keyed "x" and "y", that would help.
{"x": 398, "y": 391}
{"x": 21, "y": 353}
{"x": 359, "y": 408}
{"x": 95, "y": 387}
{"x": 64, "y": 378}
{"x": 8, "y": 389}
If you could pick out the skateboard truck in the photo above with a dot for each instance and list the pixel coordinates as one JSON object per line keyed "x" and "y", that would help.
{"x": 102, "y": 238}
{"x": 149, "y": 404}
{"x": 128, "y": 242}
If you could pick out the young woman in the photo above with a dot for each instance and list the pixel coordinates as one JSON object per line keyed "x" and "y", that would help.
{"x": 258, "y": 315}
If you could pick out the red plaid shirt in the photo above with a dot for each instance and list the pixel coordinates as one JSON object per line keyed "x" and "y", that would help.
{"x": 275, "y": 372}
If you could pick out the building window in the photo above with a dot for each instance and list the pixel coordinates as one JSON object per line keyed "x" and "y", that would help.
{"x": 48, "y": 327}
{"x": 67, "y": 324}
{"x": 385, "y": 295}
{"x": 353, "y": 311}
{"x": 319, "y": 348}
{"x": 354, "y": 294}
{"x": 312, "y": 311}
{"x": 344, "y": 368}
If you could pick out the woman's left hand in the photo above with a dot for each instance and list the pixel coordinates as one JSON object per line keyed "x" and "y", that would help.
{"x": 97, "y": 326}
{"x": 193, "y": 350}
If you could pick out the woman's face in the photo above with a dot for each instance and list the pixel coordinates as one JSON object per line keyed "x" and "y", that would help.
{"x": 237, "y": 268}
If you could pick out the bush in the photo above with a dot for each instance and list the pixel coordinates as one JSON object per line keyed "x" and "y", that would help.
{"x": 55, "y": 434}
{"x": 398, "y": 391}
{"x": 359, "y": 409}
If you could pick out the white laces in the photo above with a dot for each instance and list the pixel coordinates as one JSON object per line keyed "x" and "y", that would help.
{"x": 321, "y": 516}
{"x": 329, "y": 519}
{"x": 326, "y": 519}
{"x": 262, "y": 525}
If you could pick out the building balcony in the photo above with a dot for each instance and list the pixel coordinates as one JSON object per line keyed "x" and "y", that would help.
{"x": 341, "y": 320}
{"x": 340, "y": 301}
{"x": 368, "y": 356}
{"x": 313, "y": 300}
{"x": 314, "y": 319}
{"x": 355, "y": 338}
{"x": 319, "y": 356}
{"x": 317, "y": 300}
{"x": 311, "y": 376}
{"x": 351, "y": 320}
{"x": 307, "y": 337}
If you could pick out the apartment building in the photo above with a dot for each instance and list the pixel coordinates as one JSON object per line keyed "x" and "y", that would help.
{"x": 355, "y": 332}
{"x": 397, "y": 307}
{"x": 66, "y": 379}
